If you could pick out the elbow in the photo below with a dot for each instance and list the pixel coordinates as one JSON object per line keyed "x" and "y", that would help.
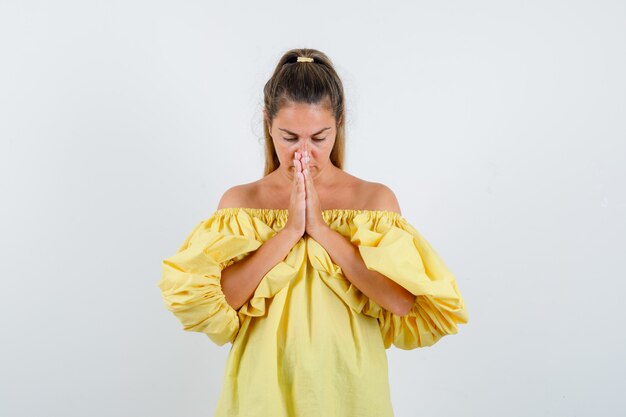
{"x": 230, "y": 303}
{"x": 404, "y": 308}
{"x": 227, "y": 290}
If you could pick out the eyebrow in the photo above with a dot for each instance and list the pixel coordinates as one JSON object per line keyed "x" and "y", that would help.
{"x": 292, "y": 133}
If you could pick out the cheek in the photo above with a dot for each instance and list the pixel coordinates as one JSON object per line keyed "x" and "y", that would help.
{"x": 284, "y": 151}
{"x": 322, "y": 150}
{"x": 287, "y": 148}
{"x": 286, "y": 155}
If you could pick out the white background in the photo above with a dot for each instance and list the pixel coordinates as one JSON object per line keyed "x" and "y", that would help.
{"x": 500, "y": 125}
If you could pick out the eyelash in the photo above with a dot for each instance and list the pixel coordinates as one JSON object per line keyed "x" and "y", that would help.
{"x": 292, "y": 139}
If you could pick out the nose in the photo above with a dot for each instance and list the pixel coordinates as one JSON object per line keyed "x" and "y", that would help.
{"x": 301, "y": 149}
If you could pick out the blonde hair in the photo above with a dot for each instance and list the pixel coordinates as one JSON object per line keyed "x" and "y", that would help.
{"x": 314, "y": 82}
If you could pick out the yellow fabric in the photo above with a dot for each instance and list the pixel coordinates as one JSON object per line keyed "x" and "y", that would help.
{"x": 308, "y": 342}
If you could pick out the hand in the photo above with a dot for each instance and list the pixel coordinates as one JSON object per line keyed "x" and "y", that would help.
{"x": 314, "y": 220}
{"x": 296, "y": 219}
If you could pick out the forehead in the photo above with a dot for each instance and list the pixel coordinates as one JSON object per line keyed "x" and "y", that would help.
{"x": 303, "y": 115}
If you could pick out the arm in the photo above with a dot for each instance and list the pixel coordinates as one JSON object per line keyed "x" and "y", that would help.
{"x": 240, "y": 280}
{"x": 382, "y": 290}
{"x": 392, "y": 247}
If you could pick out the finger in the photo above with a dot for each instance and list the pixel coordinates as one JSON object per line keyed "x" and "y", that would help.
{"x": 301, "y": 185}
{"x": 307, "y": 177}
{"x": 310, "y": 185}
{"x": 299, "y": 174}
{"x": 294, "y": 159}
{"x": 297, "y": 171}
{"x": 306, "y": 157}
{"x": 294, "y": 183}
{"x": 295, "y": 168}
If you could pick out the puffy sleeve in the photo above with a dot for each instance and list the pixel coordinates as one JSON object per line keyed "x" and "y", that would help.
{"x": 389, "y": 245}
{"x": 190, "y": 282}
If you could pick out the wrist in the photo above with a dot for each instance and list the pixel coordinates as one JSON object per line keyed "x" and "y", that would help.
{"x": 291, "y": 234}
{"x": 321, "y": 232}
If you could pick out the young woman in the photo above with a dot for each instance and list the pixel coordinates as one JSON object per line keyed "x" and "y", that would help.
{"x": 311, "y": 273}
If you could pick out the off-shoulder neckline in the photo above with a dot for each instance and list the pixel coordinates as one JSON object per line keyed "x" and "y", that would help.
{"x": 279, "y": 211}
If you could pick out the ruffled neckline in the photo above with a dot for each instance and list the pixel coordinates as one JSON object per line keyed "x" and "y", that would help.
{"x": 328, "y": 214}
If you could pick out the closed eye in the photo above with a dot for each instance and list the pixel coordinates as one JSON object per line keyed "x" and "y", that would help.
{"x": 292, "y": 139}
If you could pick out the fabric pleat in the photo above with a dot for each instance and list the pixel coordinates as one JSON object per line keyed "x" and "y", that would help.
{"x": 307, "y": 327}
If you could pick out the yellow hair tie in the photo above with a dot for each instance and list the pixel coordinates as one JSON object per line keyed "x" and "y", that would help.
{"x": 304, "y": 59}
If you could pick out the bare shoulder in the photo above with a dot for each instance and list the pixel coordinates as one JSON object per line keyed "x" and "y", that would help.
{"x": 383, "y": 198}
{"x": 377, "y": 196}
{"x": 380, "y": 197}
{"x": 236, "y": 196}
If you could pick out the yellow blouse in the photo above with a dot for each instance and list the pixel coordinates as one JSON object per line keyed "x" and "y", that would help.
{"x": 308, "y": 342}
